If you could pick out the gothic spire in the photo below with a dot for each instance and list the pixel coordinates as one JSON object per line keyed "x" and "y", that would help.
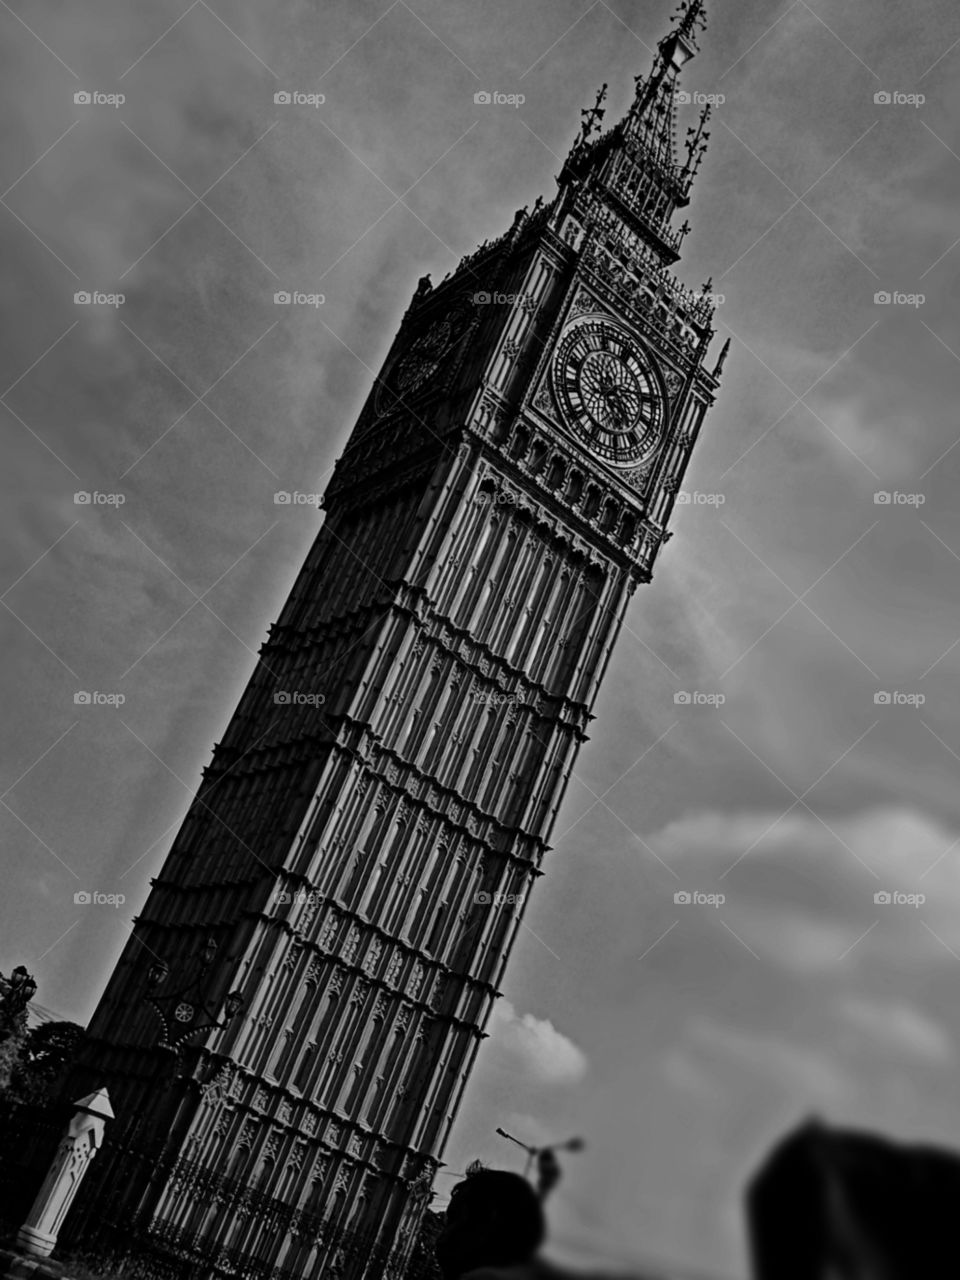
{"x": 651, "y": 119}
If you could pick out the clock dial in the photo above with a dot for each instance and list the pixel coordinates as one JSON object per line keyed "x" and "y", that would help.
{"x": 610, "y": 394}
{"x": 416, "y": 366}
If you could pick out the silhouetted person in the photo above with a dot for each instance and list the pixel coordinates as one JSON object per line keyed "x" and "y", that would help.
{"x": 493, "y": 1228}
{"x": 830, "y": 1202}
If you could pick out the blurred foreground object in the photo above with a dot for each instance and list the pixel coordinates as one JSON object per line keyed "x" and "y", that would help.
{"x": 852, "y": 1206}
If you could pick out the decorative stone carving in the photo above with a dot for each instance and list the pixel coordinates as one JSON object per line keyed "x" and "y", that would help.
{"x": 351, "y": 944}
{"x": 415, "y": 980}
{"x": 371, "y": 959}
{"x": 329, "y": 929}
{"x": 583, "y": 304}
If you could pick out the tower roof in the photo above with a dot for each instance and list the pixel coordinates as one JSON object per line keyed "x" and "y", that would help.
{"x": 650, "y": 126}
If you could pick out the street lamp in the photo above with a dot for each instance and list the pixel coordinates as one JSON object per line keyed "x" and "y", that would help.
{"x": 548, "y": 1166}
{"x": 16, "y": 992}
{"x": 187, "y": 1010}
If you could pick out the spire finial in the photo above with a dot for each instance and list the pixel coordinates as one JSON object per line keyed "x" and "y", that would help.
{"x": 590, "y": 118}
{"x": 691, "y": 18}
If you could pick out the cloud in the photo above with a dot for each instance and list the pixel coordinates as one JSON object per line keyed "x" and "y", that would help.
{"x": 533, "y": 1046}
{"x": 890, "y": 840}
{"x": 810, "y": 1076}
{"x": 899, "y": 1028}
{"x": 800, "y": 891}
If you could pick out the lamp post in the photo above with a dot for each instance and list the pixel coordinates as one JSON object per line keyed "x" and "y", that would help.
{"x": 187, "y": 1011}
{"x": 548, "y": 1166}
{"x": 16, "y": 992}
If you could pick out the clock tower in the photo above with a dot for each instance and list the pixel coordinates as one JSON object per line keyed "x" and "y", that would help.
{"x": 323, "y": 945}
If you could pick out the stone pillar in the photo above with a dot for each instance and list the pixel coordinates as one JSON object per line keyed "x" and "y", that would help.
{"x": 81, "y": 1142}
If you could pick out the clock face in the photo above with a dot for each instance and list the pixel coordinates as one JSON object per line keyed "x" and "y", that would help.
{"x": 610, "y": 395}
{"x": 419, "y": 362}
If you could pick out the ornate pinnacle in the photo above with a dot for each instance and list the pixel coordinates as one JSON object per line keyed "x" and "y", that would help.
{"x": 692, "y": 18}
{"x": 591, "y": 118}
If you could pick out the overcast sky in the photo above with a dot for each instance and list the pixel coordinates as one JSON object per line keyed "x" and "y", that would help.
{"x": 679, "y": 1038}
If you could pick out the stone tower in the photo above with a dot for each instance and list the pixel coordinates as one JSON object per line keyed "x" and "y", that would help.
{"x": 323, "y": 944}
